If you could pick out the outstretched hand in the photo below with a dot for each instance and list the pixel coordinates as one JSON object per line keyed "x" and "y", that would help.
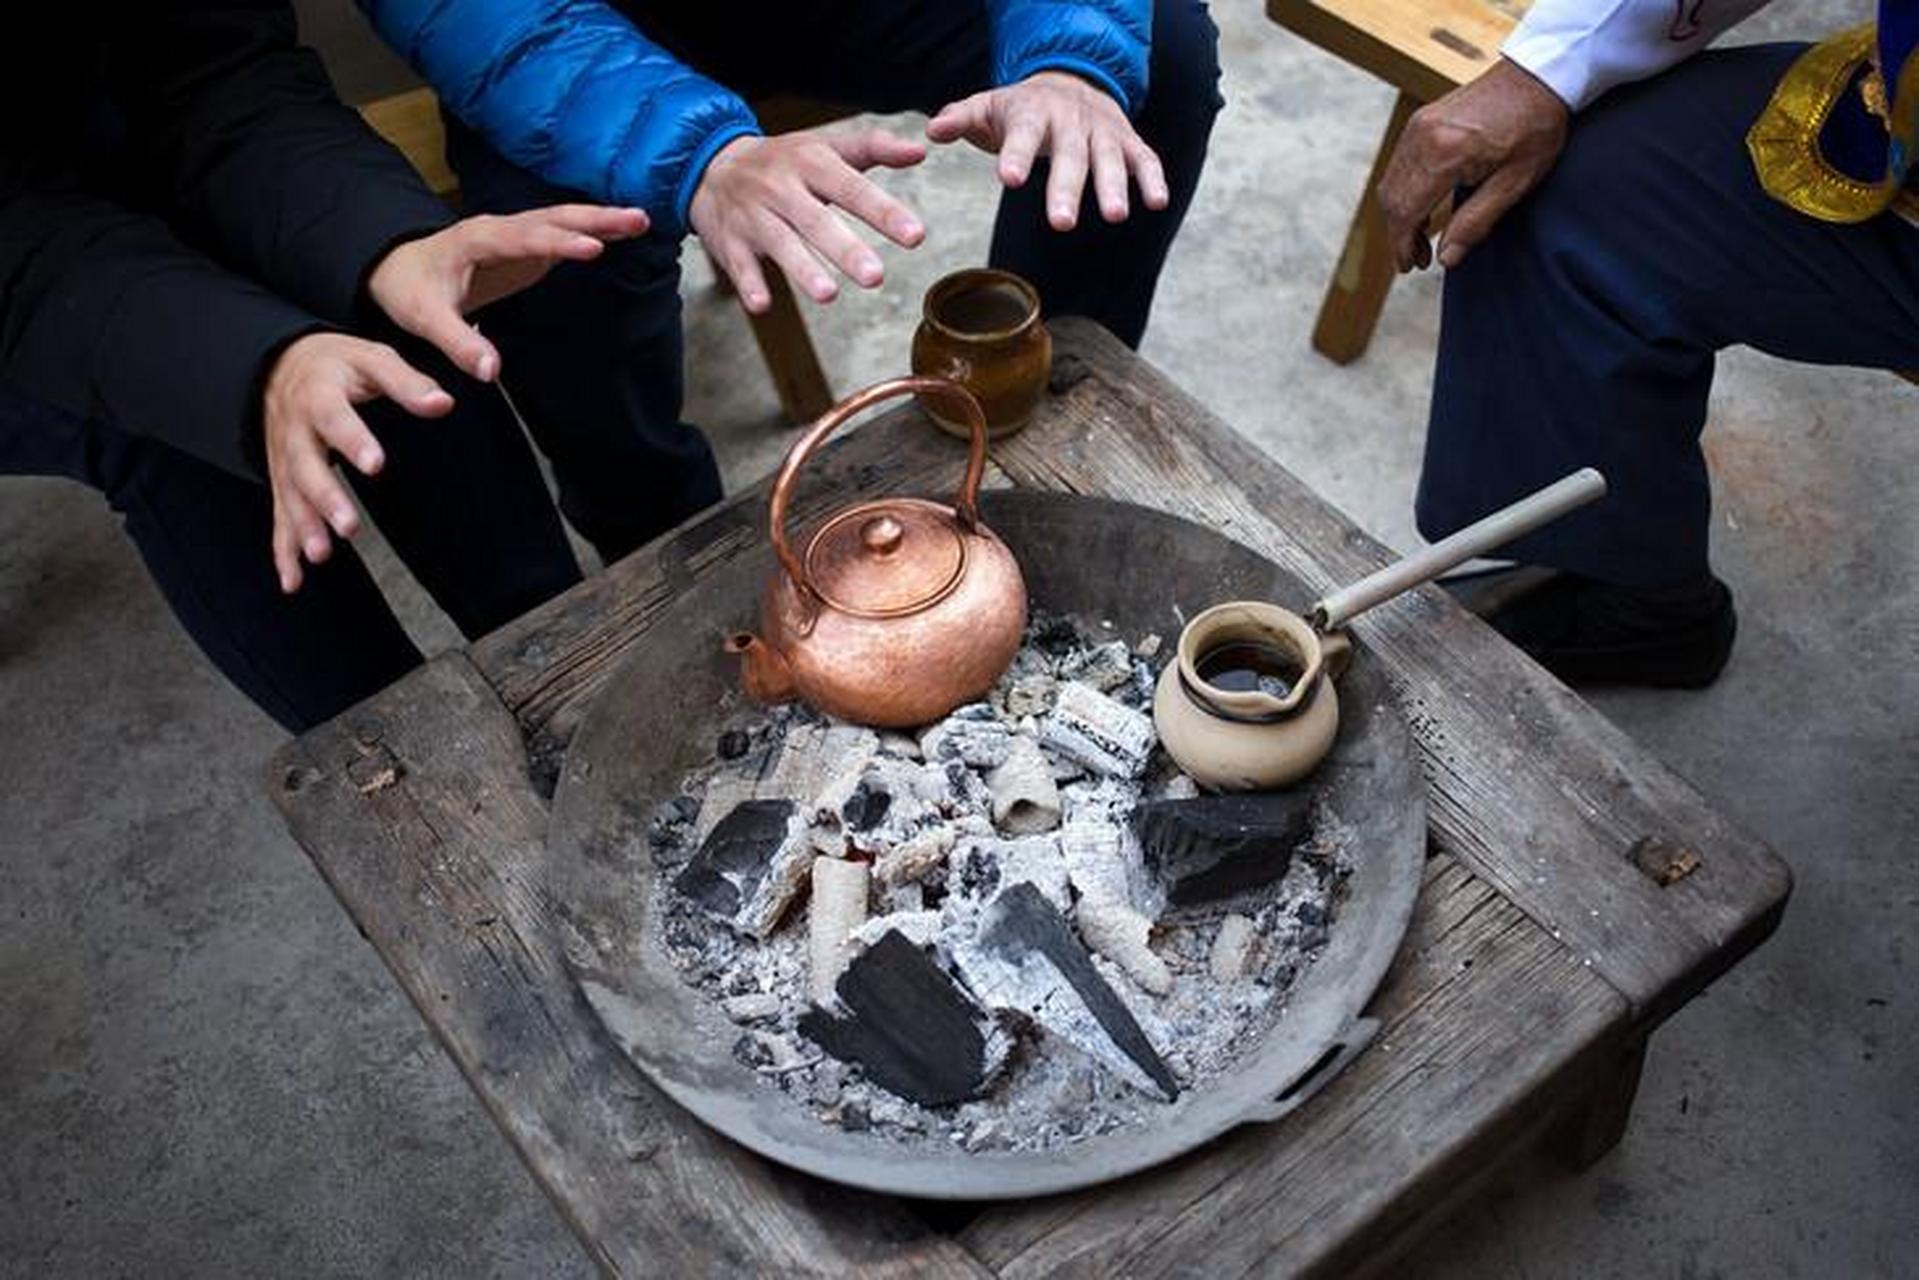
{"x": 427, "y": 286}
{"x": 775, "y": 198}
{"x": 310, "y": 394}
{"x": 1076, "y": 125}
{"x": 1499, "y": 134}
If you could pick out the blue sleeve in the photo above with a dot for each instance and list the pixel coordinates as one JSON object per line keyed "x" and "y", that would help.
{"x": 574, "y": 92}
{"x": 1107, "y": 41}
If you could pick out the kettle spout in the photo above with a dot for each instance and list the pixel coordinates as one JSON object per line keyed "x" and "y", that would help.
{"x": 763, "y": 669}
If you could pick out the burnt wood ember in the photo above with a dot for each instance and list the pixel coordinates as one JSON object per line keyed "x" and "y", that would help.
{"x": 1021, "y": 936}
{"x": 911, "y": 1028}
{"x": 867, "y": 806}
{"x": 1213, "y": 847}
{"x": 750, "y": 865}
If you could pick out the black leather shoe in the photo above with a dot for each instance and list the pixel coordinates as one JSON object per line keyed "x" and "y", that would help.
{"x": 1589, "y": 632}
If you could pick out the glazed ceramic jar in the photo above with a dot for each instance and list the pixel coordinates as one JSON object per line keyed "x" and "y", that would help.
{"x": 981, "y": 328}
{"x": 1248, "y": 703}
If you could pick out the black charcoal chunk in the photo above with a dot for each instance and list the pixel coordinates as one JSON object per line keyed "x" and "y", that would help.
{"x": 726, "y": 874}
{"x": 1021, "y": 924}
{"x": 734, "y": 743}
{"x": 1207, "y": 848}
{"x": 866, "y": 807}
{"x": 909, "y": 1026}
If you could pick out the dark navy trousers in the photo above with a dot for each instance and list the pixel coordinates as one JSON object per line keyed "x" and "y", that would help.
{"x": 594, "y": 355}
{"x": 1583, "y": 331}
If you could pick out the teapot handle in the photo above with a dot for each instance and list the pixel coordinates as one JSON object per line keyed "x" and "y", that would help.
{"x": 965, "y": 503}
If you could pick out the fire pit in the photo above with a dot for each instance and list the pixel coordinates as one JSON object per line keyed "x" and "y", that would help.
{"x": 656, "y": 970}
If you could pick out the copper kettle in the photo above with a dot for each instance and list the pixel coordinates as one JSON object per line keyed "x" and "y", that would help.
{"x": 899, "y": 609}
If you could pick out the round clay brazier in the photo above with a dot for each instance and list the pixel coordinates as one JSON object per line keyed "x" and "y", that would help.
{"x": 981, "y": 328}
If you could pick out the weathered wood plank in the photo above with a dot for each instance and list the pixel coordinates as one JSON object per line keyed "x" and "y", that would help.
{"x": 1489, "y": 1028}
{"x": 1533, "y": 789}
{"x": 417, "y": 810}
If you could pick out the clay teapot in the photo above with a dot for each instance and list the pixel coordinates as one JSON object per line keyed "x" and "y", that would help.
{"x": 899, "y": 609}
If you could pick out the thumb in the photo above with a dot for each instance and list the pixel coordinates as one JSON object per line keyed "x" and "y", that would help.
{"x": 1474, "y": 220}
{"x": 872, "y": 147}
{"x": 956, "y": 120}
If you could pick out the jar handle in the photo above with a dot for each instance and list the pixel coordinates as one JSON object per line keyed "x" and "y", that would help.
{"x": 965, "y": 503}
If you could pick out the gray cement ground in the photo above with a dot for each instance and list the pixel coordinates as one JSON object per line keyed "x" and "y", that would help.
{"x": 204, "y": 1070}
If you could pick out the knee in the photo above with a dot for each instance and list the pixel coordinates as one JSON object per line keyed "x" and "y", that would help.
{"x": 1182, "y": 92}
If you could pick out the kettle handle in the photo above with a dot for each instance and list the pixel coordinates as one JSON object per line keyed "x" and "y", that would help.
{"x": 965, "y": 503}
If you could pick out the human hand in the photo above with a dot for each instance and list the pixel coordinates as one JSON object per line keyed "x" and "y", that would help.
{"x": 774, "y": 198}
{"x": 1499, "y": 134}
{"x": 310, "y": 394}
{"x": 427, "y": 286}
{"x": 1071, "y": 121}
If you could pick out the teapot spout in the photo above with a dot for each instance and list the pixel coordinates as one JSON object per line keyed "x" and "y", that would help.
{"x": 763, "y": 669}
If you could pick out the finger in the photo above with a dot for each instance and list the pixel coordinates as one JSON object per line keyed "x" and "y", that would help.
{"x": 604, "y": 222}
{"x": 1109, "y": 177}
{"x": 871, "y": 147}
{"x": 306, "y": 532}
{"x": 1473, "y": 221}
{"x": 309, "y": 474}
{"x": 383, "y": 372}
{"x": 742, "y": 267}
{"x": 803, "y": 270}
{"x": 861, "y": 197}
{"x": 441, "y": 324}
{"x": 1066, "y": 184}
{"x": 1414, "y": 182}
{"x": 286, "y": 547}
{"x": 343, "y": 431}
{"x": 969, "y": 118}
{"x": 1149, "y": 174}
{"x": 1019, "y": 149}
{"x": 829, "y": 236}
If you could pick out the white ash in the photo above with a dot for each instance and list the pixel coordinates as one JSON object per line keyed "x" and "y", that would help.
{"x": 938, "y": 858}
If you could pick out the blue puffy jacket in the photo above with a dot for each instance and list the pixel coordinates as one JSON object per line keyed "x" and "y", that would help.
{"x": 573, "y": 91}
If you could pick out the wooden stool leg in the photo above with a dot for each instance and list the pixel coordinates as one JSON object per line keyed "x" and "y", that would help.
{"x": 788, "y": 351}
{"x": 1598, "y": 1125}
{"x": 1365, "y": 271}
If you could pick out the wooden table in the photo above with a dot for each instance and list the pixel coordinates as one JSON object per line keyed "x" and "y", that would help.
{"x": 1543, "y": 950}
{"x": 1424, "y": 49}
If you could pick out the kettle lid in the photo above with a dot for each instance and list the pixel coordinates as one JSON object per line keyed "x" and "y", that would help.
{"x": 888, "y": 558}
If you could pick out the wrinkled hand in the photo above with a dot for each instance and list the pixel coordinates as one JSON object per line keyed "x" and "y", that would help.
{"x": 310, "y": 394}
{"x": 1500, "y": 134}
{"x": 427, "y": 286}
{"x": 1074, "y": 123}
{"x": 774, "y": 198}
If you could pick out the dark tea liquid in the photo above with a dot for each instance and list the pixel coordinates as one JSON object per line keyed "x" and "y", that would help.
{"x": 988, "y": 309}
{"x": 1249, "y": 667}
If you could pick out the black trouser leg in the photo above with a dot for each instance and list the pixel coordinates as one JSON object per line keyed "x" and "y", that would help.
{"x": 593, "y": 357}
{"x": 460, "y": 499}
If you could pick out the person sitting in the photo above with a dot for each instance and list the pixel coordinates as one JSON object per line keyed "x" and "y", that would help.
{"x": 646, "y": 104}
{"x": 217, "y": 280}
{"x": 1628, "y": 206}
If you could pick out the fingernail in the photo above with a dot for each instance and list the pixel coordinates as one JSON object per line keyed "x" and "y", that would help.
{"x": 1449, "y": 256}
{"x": 489, "y": 365}
{"x": 912, "y": 227}
{"x": 370, "y": 459}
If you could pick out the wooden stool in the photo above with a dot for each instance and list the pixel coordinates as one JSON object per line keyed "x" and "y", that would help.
{"x": 1425, "y": 49}
{"x": 411, "y": 122}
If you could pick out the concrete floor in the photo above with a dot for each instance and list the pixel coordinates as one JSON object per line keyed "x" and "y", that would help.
{"x": 204, "y": 1070}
